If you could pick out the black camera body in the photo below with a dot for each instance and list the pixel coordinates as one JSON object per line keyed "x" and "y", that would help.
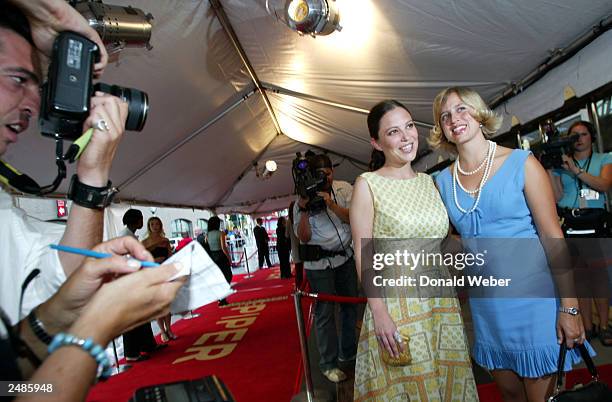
{"x": 66, "y": 95}
{"x": 550, "y": 153}
{"x": 308, "y": 182}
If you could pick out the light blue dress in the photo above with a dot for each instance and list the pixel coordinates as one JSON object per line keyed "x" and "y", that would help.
{"x": 514, "y": 333}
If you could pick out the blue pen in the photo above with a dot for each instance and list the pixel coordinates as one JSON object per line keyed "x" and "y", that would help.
{"x": 94, "y": 254}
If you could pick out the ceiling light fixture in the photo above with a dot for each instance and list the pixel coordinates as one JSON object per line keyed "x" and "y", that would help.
{"x": 313, "y": 17}
{"x": 267, "y": 171}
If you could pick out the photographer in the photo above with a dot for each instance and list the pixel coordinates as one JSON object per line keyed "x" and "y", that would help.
{"x": 580, "y": 189}
{"x": 333, "y": 270}
{"x": 586, "y": 175}
{"x": 26, "y": 240}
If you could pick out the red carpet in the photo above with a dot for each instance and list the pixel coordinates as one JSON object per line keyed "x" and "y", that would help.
{"x": 490, "y": 393}
{"x": 252, "y": 347}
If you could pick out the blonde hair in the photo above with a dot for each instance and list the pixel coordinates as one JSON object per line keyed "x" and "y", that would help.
{"x": 161, "y": 226}
{"x": 490, "y": 121}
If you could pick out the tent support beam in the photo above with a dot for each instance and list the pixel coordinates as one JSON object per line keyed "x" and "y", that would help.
{"x": 328, "y": 151}
{"x": 284, "y": 91}
{"x": 191, "y": 136}
{"x": 316, "y": 99}
{"x": 558, "y": 57}
{"x": 229, "y": 30}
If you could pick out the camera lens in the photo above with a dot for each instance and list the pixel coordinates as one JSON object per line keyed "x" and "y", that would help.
{"x": 138, "y": 104}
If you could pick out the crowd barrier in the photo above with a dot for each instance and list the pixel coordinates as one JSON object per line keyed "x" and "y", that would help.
{"x": 310, "y": 394}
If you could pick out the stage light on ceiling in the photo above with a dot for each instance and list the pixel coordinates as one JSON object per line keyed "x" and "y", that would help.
{"x": 271, "y": 166}
{"x": 313, "y": 17}
{"x": 267, "y": 171}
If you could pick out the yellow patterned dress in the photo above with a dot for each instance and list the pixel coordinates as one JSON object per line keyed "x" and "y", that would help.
{"x": 440, "y": 369}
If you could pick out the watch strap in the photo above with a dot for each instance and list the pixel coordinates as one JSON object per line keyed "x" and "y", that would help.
{"x": 90, "y": 197}
{"x": 569, "y": 310}
{"x": 38, "y": 328}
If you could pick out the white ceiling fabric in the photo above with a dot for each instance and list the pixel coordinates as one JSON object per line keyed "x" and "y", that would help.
{"x": 208, "y": 124}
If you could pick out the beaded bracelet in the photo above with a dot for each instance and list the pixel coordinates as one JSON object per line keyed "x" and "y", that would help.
{"x": 96, "y": 351}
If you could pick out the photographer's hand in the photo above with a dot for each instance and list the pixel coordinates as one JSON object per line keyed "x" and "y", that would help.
{"x": 569, "y": 165}
{"x": 340, "y": 212}
{"x": 49, "y": 17}
{"x": 93, "y": 167}
{"x": 85, "y": 225}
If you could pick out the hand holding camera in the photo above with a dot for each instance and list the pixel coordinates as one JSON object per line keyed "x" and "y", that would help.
{"x": 48, "y": 18}
{"x": 107, "y": 117}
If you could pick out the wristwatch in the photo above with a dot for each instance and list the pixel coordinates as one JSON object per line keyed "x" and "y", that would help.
{"x": 89, "y": 196}
{"x": 569, "y": 310}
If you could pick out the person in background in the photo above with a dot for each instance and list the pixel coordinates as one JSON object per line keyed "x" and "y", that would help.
{"x": 295, "y": 249}
{"x": 159, "y": 246}
{"x": 215, "y": 238}
{"x": 580, "y": 187}
{"x": 261, "y": 240}
{"x": 283, "y": 246}
{"x": 133, "y": 221}
{"x": 332, "y": 269}
{"x": 138, "y": 342}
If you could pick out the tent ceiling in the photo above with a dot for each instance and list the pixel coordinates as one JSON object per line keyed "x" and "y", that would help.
{"x": 208, "y": 124}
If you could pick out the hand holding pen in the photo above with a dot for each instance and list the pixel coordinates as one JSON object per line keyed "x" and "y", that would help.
{"x": 94, "y": 273}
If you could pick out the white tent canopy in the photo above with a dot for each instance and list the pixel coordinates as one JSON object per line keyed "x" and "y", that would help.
{"x": 209, "y": 123}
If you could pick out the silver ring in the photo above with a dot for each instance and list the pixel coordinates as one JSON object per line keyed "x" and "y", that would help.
{"x": 101, "y": 125}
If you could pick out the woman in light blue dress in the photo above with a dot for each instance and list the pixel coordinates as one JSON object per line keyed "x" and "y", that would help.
{"x": 503, "y": 197}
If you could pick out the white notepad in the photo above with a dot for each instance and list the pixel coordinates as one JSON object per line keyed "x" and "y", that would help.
{"x": 206, "y": 282}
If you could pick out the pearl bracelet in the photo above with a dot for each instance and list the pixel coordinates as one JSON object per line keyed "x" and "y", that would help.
{"x": 96, "y": 351}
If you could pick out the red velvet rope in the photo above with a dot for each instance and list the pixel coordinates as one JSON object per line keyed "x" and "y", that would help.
{"x": 236, "y": 264}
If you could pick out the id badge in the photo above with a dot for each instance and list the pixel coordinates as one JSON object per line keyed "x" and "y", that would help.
{"x": 589, "y": 194}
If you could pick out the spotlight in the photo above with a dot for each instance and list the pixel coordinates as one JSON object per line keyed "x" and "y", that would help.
{"x": 267, "y": 171}
{"x": 118, "y": 26}
{"x": 313, "y": 17}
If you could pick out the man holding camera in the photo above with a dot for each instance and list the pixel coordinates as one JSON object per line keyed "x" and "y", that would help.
{"x": 325, "y": 238}
{"x": 25, "y": 240}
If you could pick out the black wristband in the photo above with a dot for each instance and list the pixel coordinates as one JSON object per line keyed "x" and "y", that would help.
{"x": 89, "y": 196}
{"x": 38, "y": 328}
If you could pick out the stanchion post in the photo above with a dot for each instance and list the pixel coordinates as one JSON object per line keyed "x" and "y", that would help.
{"x": 310, "y": 392}
{"x": 120, "y": 367}
{"x": 246, "y": 259}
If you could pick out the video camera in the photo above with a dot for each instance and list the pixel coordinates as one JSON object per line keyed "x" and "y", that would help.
{"x": 309, "y": 181}
{"x": 553, "y": 146}
{"x": 66, "y": 94}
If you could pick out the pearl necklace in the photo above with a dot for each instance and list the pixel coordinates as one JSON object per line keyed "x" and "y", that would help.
{"x": 488, "y": 166}
{"x": 474, "y": 191}
{"x": 479, "y": 168}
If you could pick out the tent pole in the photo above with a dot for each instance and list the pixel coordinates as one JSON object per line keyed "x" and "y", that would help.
{"x": 229, "y": 30}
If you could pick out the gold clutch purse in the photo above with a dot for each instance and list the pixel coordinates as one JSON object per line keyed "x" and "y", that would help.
{"x": 404, "y": 357}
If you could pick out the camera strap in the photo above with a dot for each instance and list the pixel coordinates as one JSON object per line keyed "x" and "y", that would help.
{"x": 585, "y": 168}
{"x": 24, "y": 183}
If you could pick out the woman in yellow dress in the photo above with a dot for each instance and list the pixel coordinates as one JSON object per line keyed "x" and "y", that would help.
{"x": 394, "y": 205}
